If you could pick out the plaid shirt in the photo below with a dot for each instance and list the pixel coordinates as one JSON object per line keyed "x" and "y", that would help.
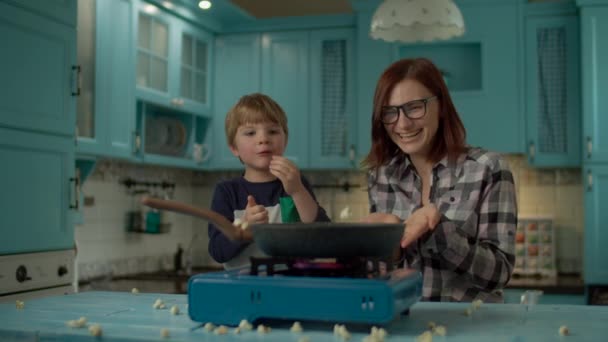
{"x": 470, "y": 253}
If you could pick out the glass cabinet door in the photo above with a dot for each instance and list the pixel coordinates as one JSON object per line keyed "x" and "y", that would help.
{"x": 194, "y": 70}
{"x": 152, "y": 52}
{"x": 85, "y": 103}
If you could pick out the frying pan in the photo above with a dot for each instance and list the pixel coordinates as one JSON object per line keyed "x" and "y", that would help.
{"x": 311, "y": 240}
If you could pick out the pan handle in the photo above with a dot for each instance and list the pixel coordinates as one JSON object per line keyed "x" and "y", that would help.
{"x": 232, "y": 232}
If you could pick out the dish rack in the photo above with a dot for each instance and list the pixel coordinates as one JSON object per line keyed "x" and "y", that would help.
{"x": 535, "y": 247}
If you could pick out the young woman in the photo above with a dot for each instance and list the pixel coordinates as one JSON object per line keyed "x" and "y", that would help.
{"x": 457, "y": 202}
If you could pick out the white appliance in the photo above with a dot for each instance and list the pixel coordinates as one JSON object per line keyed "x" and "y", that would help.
{"x": 30, "y": 275}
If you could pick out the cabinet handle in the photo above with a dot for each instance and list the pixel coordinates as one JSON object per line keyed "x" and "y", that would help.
{"x": 174, "y": 102}
{"x": 76, "y": 81}
{"x": 589, "y": 180}
{"x": 351, "y": 153}
{"x": 76, "y": 192}
{"x": 531, "y": 150}
{"x": 180, "y": 102}
{"x": 136, "y": 142}
{"x": 589, "y": 147}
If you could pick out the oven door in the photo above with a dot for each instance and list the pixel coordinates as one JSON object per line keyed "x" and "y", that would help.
{"x": 25, "y": 276}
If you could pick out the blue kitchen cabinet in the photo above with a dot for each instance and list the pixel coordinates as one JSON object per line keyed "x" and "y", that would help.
{"x": 594, "y": 47}
{"x": 285, "y": 78}
{"x": 194, "y": 71}
{"x": 59, "y": 10}
{"x": 596, "y": 216}
{"x": 594, "y": 51}
{"x": 333, "y": 119}
{"x": 237, "y": 72}
{"x": 553, "y": 113}
{"x": 481, "y": 70}
{"x": 373, "y": 56}
{"x": 106, "y": 108}
{"x": 172, "y": 61}
{"x": 39, "y": 191}
{"x": 38, "y": 66}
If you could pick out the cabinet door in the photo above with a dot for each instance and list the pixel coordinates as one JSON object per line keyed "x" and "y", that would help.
{"x": 596, "y": 232}
{"x": 285, "y": 79}
{"x": 62, "y": 10}
{"x": 237, "y": 72}
{"x": 115, "y": 61}
{"x": 482, "y": 72}
{"x": 155, "y": 51}
{"x": 37, "y": 191}
{"x": 595, "y": 83}
{"x": 194, "y": 72}
{"x": 552, "y": 95}
{"x": 87, "y": 123}
{"x": 332, "y": 116}
{"x": 36, "y": 65}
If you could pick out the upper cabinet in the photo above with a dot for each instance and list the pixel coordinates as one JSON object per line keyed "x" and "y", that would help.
{"x": 63, "y": 11}
{"x": 333, "y": 119}
{"x": 173, "y": 59}
{"x": 594, "y": 25}
{"x": 481, "y": 70}
{"x": 553, "y": 113}
{"x": 285, "y": 78}
{"x": 237, "y": 70}
{"x": 106, "y": 106}
{"x": 38, "y": 66}
{"x": 310, "y": 74}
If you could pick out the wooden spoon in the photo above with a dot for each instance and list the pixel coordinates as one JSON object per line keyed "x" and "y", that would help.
{"x": 231, "y": 231}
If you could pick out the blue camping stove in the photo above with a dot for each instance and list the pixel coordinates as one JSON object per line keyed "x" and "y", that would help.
{"x": 296, "y": 289}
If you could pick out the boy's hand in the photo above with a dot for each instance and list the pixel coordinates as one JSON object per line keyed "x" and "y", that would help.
{"x": 288, "y": 173}
{"x": 255, "y": 213}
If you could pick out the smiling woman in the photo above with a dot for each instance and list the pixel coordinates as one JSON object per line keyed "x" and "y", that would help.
{"x": 457, "y": 202}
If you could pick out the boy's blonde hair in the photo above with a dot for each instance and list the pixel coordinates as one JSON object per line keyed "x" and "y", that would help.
{"x": 254, "y": 108}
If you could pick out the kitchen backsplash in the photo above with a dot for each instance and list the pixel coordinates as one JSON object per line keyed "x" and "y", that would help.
{"x": 106, "y": 248}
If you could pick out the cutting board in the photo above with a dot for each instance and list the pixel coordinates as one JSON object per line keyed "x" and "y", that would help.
{"x": 130, "y": 317}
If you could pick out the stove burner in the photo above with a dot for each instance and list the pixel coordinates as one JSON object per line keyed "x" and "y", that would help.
{"x": 359, "y": 267}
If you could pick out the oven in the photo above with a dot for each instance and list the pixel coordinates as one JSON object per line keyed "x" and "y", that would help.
{"x": 30, "y": 275}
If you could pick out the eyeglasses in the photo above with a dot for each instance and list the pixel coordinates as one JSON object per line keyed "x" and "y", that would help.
{"x": 415, "y": 109}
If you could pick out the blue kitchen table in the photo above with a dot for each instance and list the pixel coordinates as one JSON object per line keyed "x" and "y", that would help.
{"x": 131, "y": 317}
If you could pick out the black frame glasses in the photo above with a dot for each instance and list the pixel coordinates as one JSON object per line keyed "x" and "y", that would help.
{"x": 414, "y": 110}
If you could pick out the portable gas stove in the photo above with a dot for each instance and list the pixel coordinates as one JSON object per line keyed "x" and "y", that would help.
{"x": 356, "y": 290}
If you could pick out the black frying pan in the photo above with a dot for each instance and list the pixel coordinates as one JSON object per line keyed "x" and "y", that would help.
{"x": 313, "y": 240}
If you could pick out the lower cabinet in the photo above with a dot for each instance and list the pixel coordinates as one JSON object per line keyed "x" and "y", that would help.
{"x": 39, "y": 191}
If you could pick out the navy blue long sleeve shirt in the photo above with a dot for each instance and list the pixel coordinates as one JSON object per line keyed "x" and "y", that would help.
{"x": 230, "y": 200}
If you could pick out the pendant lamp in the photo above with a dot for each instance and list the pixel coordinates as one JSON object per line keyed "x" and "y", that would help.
{"x": 409, "y": 21}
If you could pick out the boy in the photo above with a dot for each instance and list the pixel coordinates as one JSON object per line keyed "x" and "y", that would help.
{"x": 271, "y": 190}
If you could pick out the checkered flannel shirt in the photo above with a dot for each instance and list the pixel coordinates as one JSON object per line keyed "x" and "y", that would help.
{"x": 470, "y": 253}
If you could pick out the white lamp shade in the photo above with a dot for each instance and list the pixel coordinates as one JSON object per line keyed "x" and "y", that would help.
{"x": 416, "y": 20}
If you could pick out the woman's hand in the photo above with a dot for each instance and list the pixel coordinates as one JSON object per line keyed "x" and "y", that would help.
{"x": 288, "y": 173}
{"x": 255, "y": 213}
{"x": 381, "y": 218}
{"x": 421, "y": 221}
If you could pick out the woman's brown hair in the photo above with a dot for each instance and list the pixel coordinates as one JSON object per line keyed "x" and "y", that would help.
{"x": 451, "y": 134}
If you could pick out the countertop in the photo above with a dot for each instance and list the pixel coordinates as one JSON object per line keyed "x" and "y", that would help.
{"x": 124, "y": 316}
